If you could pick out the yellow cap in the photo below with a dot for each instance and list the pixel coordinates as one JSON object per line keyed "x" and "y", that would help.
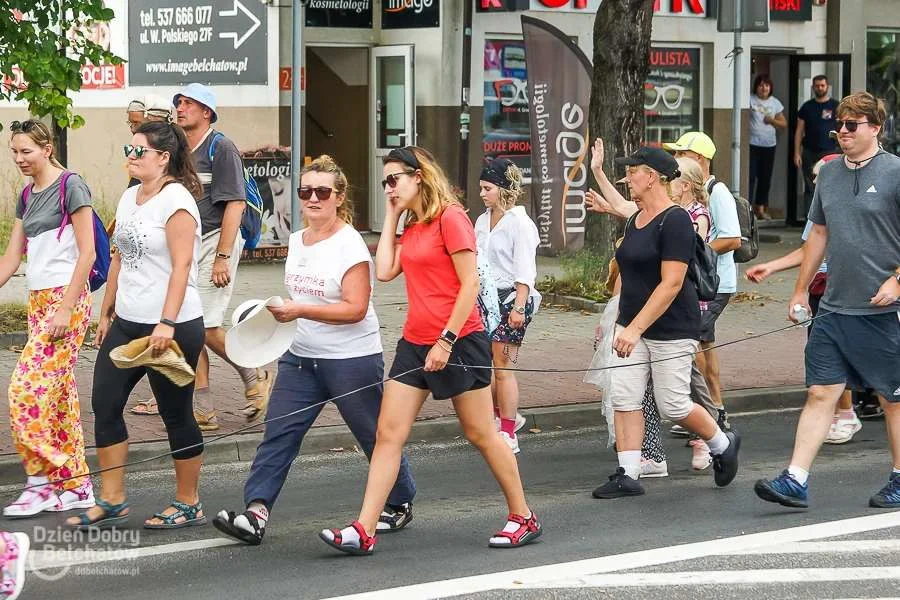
{"x": 695, "y": 141}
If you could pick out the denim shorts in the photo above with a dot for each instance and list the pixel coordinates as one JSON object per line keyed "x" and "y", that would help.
{"x": 861, "y": 351}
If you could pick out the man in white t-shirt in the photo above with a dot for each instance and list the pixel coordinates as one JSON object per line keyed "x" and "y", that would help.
{"x": 724, "y": 238}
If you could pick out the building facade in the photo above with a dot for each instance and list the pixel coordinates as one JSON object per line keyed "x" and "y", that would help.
{"x": 384, "y": 73}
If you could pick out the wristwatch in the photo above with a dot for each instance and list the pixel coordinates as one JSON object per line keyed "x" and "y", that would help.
{"x": 223, "y": 255}
{"x": 449, "y": 336}
{"x": 519, "y": 309}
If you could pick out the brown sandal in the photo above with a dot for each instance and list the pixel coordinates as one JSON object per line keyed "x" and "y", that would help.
{"x": 145, "y": 407}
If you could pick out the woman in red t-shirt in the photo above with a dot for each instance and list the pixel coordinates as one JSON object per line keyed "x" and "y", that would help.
{"x": 436, "y": 254}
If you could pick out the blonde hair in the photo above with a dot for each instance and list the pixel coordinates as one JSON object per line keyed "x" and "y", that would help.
{"x": 665, "y": 181}
{"x": 507, "y": 197}
{"x": 325, "y": 164}
{"x": 40, "y": 134}
{"x": 435, "y": 192}
{"x": 692, "y": 175}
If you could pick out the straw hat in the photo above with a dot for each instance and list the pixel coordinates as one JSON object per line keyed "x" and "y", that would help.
{"x": 256, "y": 338}
{"x": 171, "y": 363}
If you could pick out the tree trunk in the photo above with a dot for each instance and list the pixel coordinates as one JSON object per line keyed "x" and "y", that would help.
{"x": 621, "y": 65}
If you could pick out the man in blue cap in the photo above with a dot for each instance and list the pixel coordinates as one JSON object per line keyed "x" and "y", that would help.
{"x": 221, "y": 172}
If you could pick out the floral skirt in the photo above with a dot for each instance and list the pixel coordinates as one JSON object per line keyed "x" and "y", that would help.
{"x": 45, "y": 415}
{"x": 504, "y": 333}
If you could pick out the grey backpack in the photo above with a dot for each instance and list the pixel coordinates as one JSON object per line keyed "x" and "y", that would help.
{"x": 749, "y": 229}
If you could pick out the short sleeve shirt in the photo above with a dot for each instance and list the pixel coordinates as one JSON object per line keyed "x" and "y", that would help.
{"x": 725, "y": 224}
{"x": 818, "y": 121}
{"x": 52, "y": 253}
{"x": 222, "y": 179}
{"x": 314, "y": 275}
{"x": 669, "y": 236}
{"x": 761, "y": 133}
{"x": 146, "y": 263}
{"x": 431, "y": 281}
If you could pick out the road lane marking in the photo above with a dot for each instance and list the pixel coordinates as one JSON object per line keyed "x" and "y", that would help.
{"x": 842, "y": 546}
{"x": 39, "y": 560}
{"x": 753, "y": 576}
{"x": 519, "y": 578}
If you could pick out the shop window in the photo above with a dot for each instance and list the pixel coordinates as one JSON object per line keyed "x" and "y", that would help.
{"x": 507, "y": 131}
{"x": 883, "y": 80}
{"x": 672, "y": 94}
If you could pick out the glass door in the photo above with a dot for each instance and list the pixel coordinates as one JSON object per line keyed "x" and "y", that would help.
{"x": 392, "y": 115}
{"x": 804, "y": 68}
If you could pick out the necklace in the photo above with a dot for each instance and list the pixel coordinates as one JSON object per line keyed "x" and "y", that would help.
{"x": 856, "y": 167}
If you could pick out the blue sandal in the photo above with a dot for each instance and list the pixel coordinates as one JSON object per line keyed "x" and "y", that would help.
{"x": 113, "y": 514}
{"x": 188, "y": 511}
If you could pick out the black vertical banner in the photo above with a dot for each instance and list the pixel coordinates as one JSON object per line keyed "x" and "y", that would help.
{"x": 559, "y": 83}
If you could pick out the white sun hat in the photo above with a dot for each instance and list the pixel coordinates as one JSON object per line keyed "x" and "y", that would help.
{"x": 256, "y": 338}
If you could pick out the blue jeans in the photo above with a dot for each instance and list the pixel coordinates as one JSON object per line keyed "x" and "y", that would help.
{"x": 303, "y": 382}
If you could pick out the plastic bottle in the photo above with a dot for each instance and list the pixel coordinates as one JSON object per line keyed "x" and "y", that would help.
{"x": 801, "y": 314}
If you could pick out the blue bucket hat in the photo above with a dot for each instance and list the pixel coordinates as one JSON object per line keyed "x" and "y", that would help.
{"x": 199, "y": 93}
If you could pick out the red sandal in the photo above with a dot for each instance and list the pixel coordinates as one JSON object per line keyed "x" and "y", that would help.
{"x": 529, "y": 530}
{"x": 333, "y": 538}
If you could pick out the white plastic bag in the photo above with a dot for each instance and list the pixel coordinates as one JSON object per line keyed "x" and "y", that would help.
{"x": 599, "y": 375}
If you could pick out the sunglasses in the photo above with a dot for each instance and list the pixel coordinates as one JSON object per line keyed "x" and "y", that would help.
{"x": 24, "y": 126}
{"x": 322, "y": 192}
{"x": 138, "y": 151}
{"x": 850, "y": 125}
{"x": 391, "y": 180}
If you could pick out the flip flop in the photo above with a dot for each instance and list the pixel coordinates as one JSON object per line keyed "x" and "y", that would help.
{"x": 145, "y": 407}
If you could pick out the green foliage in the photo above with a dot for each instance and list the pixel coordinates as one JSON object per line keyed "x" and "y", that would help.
{"x": 584, "y": 275}
{"x": 48, "y": 61}
{"x": 13, "y": 317}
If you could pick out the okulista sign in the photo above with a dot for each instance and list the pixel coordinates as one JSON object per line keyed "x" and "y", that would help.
{"x": 408, "y": 14}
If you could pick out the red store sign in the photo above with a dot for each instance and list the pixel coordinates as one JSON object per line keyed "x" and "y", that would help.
{"x": 93, "y": 77}
{"x": 666, "y": 8}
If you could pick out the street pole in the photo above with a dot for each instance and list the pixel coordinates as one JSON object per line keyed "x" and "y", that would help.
{"x": 464, "y": 115}
{"x": 736, "y": 101}
{"x": 296, "y": 111}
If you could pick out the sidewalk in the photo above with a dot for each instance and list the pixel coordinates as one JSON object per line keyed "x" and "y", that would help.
{"x": 557, "y": 339}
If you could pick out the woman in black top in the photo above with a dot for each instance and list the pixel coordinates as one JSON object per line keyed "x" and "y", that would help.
{"x": 658, "y": 325}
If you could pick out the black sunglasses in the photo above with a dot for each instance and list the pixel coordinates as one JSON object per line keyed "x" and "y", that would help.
{"x": 850, "y": 125}
{"x": 24, "y": 126}
{"x": 391, "y": 180}
{"x": 323, "y": 192}
{"x": 138, "y": 151}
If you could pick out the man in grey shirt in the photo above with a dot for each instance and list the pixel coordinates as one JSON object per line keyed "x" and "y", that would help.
{"x": 856, "y": 338}
{"x": 221, "y": 172}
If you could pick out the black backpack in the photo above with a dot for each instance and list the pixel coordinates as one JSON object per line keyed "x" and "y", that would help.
{"x": 702, "y": 268}
{"x": 749, "y": 229}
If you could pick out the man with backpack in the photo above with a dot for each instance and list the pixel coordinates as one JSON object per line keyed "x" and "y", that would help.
{"x": 724, "y": 238}
{"x": 221, "y": 172}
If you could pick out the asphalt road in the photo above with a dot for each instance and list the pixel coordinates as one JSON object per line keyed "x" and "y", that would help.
{"x": 459, "y": 506}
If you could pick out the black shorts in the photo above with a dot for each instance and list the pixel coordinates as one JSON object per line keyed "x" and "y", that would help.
{"x": 473, "y": 349}
{"x": 709, "y": 317}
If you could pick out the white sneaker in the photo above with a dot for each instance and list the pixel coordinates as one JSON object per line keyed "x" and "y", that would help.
{"x": 701, "y": 457}
{"x": 679, "y": 431}
{"x": 651, "y": 468}
{"x": 520, "y": 422}
{"x": 511, "y": 440}
{"x": 81, "y": 497}
{"x": 31, "y": 501}
{"x": 843, "y": 430}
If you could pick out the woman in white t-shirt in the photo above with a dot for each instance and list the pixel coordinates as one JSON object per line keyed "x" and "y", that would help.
{"x": 766, "y": 117}
{"x": 54, "y": 224}
{"x": 336, "y": 351}
{"x": 151, "y": 291}
{"x": 509, "y": 238}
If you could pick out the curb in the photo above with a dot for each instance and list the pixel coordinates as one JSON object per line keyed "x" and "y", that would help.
{"x": 573, "y": 302}
{"x": 15, "y": 338}
{"x": 321, "y": 440}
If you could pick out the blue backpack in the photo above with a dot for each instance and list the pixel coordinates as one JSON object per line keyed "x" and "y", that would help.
{"x": 100, "y": 268}
{"x": 251, "y": 222}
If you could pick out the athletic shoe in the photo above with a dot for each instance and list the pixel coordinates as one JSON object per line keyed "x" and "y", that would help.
{"x": 511, "y": 440}
{"x": 81, "y": 497}
{"x": 700, "y": 457}
{"x": 784, "y": 489}
{"x": 722, "y": 420}
{"x": 650, "y": 468}
{"x": 619, "y": 485}
{"x": 843, "y": 430}
{"x": 679, "y": 431}
{"x": 889, "y": 495}
{"x": 520, "y": 422}
{"x": 394, "y": 517}
{"x": 725, "y": 465}
{"x": 31, "y": 502}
